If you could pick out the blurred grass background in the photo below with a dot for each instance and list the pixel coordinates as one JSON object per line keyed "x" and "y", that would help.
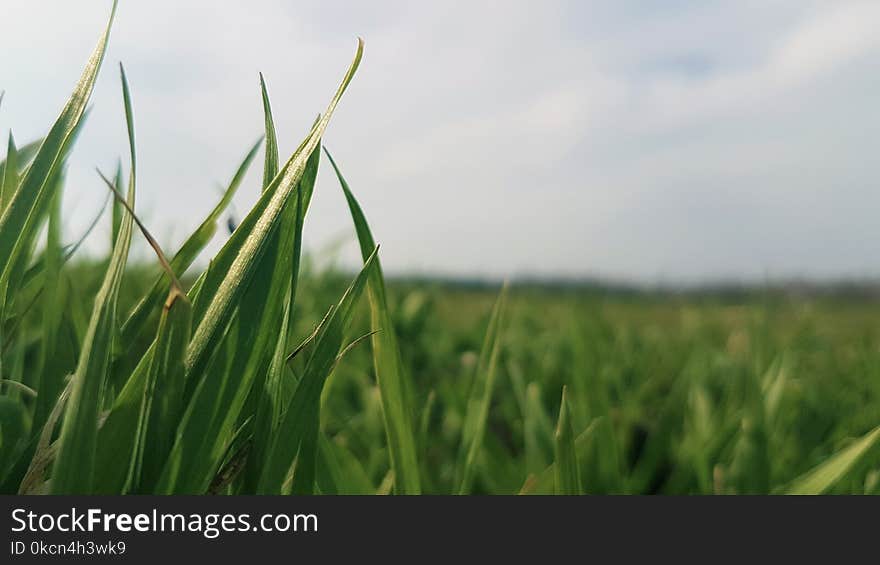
{"x": 732, "y": 390}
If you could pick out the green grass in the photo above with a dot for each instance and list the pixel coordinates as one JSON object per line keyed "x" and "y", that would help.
{"x": 159, "y": 378}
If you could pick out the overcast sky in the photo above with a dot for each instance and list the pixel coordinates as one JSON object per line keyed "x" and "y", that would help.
{"x": 653, "y": 141}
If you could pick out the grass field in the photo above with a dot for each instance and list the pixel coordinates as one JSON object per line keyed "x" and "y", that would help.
{"x": 263, "y": 374}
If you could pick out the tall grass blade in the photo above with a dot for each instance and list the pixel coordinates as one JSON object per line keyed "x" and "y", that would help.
{"x": 295, "y": 441}
{"x": 390, "y": 374}
{"x": 20, "y": 207}
{"x": 73, "y": 471}
{"x": 268, "y": 387}
{"x": 233, "y": 268}
{"x": 220, "y": 396}
{"x": 270, "y": 165}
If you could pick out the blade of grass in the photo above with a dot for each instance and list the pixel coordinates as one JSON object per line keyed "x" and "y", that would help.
{"x": 16, "y": 213}
{"x": 183, "y": 259}
{"x": 480, "y": 398}
{"x": 265, "y": 394}
{"x": 69, "y": 250}
{"x": 16, "y": 161}
{"x": 827, "y": 474}
{"x": 9, "y": 178}
{"x": 543, "y": 482}
{"x": 295, "y": 441}
{"x": 220, "y": 293}
{"x": 267, "y": 388}
{"x": 234, "y": 459}
{"x": 218, "y": 400}
{"x": 339, "y": 472}
{"x": 24, "y": 154}
{"x": 51, "y": 372}
{"x": 163, "y": 394}
{"x": 390, "y": 374}
{"x": 118, "y": 432}
{"x": 232, "y": 269}
{"x": 73, "y": 471}
{"x": 117, "y": 210}
{"x": 270, "y": 165}
{"x": 15, "y": 276}
{"x": 568, "y": 480}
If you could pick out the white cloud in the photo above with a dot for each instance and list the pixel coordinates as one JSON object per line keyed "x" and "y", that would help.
{"x": 632, "y": 139}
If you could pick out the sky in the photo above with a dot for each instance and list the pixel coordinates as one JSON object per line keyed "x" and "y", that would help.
{"x": 677, "y": 141}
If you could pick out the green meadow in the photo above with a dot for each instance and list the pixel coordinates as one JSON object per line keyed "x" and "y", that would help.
{"x": 265, "y": 373}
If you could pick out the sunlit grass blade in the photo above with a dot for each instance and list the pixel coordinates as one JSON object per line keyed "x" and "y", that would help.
{"x": 231, "y": 271}
{"x": 221, "y": 290}
{"x": 188, "y": 252}
{"x": 390, "y": 374}
{"x": 20, "y": 207}
{"x": 477, "y": 412}
{"x": 15, "y": 276}
{"x": 295, "y": 441}
{"x": 73, "y": 471}
{"x": 829, "y": 472}
{"x": 220, "y": 396}
{"x": 267, "y": 389}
